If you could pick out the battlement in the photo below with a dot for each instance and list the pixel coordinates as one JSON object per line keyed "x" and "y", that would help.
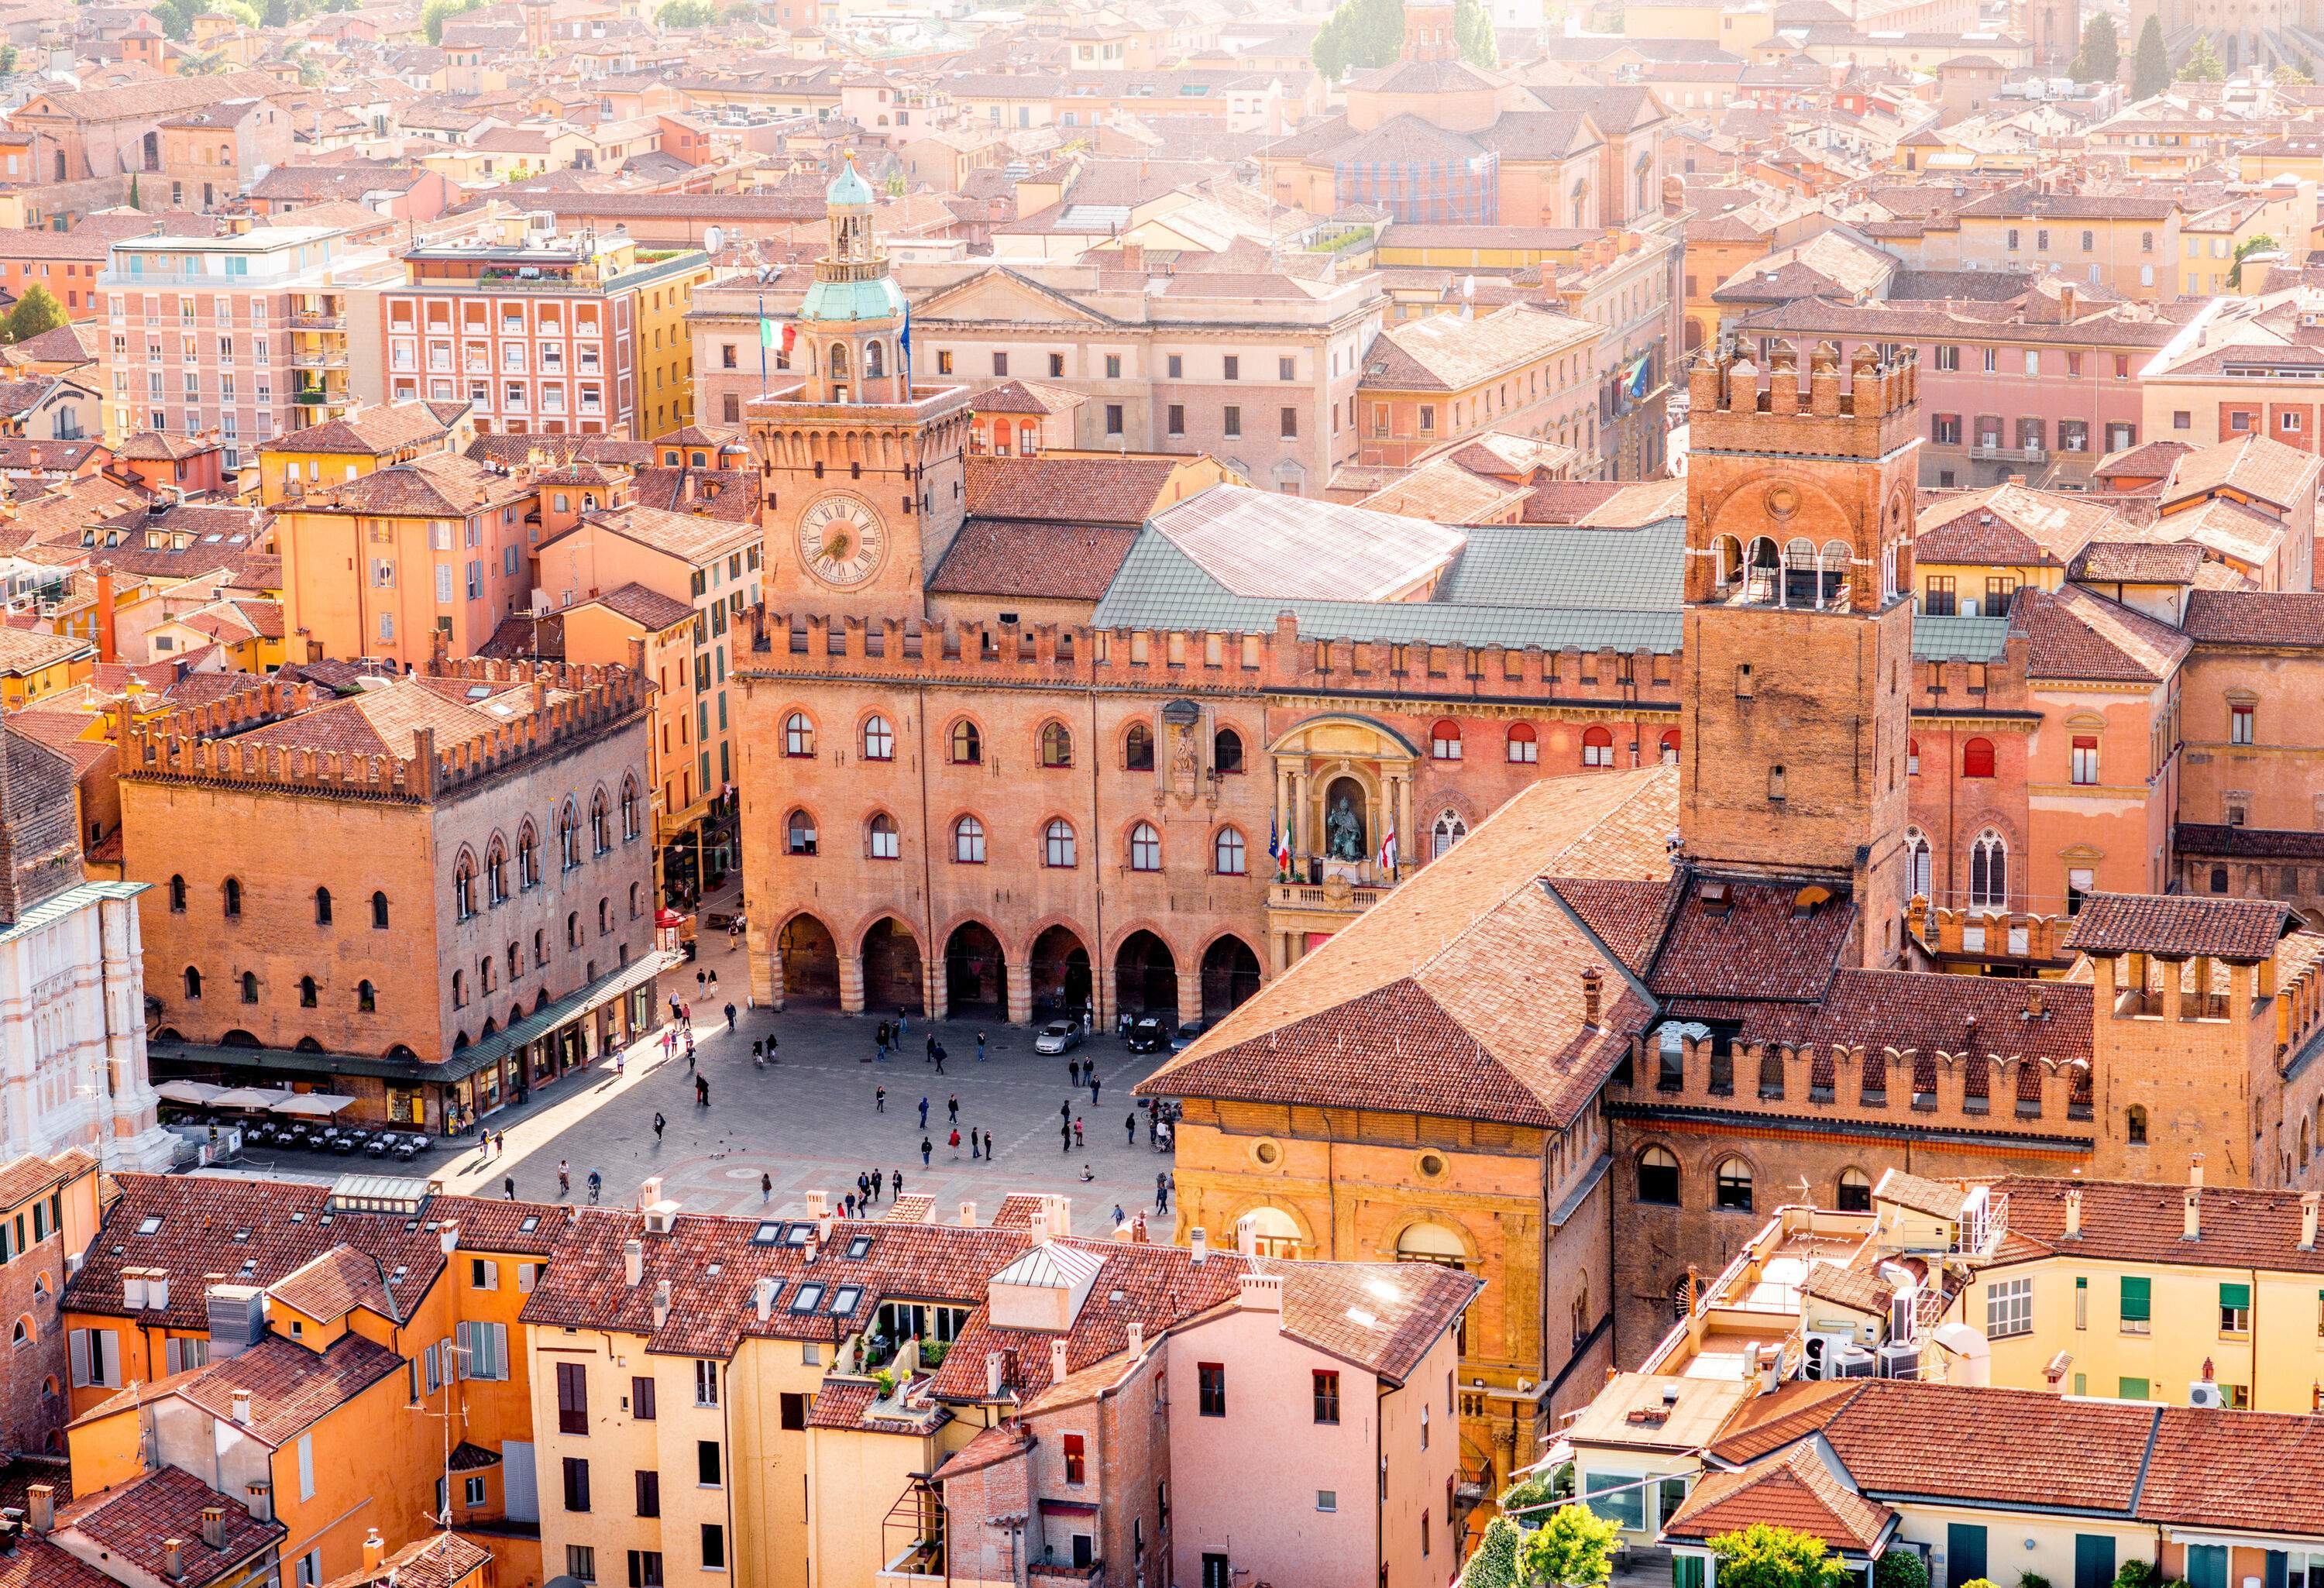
{"x": 1866, "y": 410}
{"x": 815, "y": 644}
{"x": 204, "y": 744}
{"x": 1946, "y": 934}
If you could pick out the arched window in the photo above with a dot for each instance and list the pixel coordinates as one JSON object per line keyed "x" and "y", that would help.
{"x": 1057, "y": 846}
{"x": 601, "y": 836}
{"x": 1145, "y": 848}
{"x": 1431, "y": 1242}
{"x": 1855, "y": 1191}
{"x": 250, "y": 986}
{"x": 1056, "y": 744}
{"x": 882, "y": 840}
{"x": 879, "y": 738}
{"x": 464, "y": 885}
{"x": 837, "y": 364}
{"x": 1911, "y": 758}
{"x": 379, "y": 911}
{"x": 1525, "y": 745}
{"x": 966, "y": 743}
{"x": 1444, "y": 740}
{"x": 1449, "y": 830}
{"x": 496, "y": 871}
{"x": 1274, "y": 1232}
{"x": 322, "y": 906}
{"x": 631, "y": 814}
{"x": 605, "y": 919}
{"x": 193, "y": 983}
{"x": 306, "y": 992}
{"x": 528, "y": 858}
{"x": 177, "y": 895}
{"x": 572, "y": 929}
{"x": 1670, "y": 747}
{"x": 568, "y": 837}
{"x": 1977, "y": 759}
{"x": 1731, "y": 1188}
{"x": 968, "y": 841}
{"x": 459, "y": 989}
{"x": 2135, "y": 1124}
{"x": 1598, "y": 746}
{"x": 799, "y": 834}
{"x": 516, "y": 954}
{"x": 1988, "y": 872}
{"x": 634, "y": 913}
{"x": 1226, "y": 752}
{"x": 1916, "y": 864}
{"x": 1138, "y": 748}
{"x": 233, "y": 900}
{"x": 1658, "y": 1177}
{"x": 875, "y": 362}
{"x": 540, "y": 949}
{"x": 1228, "y": 858}
{"x": 366, "y": 997}
{"x": 798, "y": 734}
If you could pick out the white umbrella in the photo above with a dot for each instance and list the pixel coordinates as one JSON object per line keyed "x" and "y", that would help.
{"x": 256, "y": 1097}
{"x": 186, "y": 1091}
{"x": 313, "y": 1102}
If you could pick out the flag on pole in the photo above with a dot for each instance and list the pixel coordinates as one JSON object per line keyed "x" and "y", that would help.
{"x": 904, "y": 341}
{"x": 1274, "y": 843}
{"x": 1388, "y": 849}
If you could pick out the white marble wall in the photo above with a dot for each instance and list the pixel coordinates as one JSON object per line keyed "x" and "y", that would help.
{"x": 72, "y": 1032}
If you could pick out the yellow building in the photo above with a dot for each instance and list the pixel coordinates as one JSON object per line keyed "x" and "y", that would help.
{"x": 366, "y": 439}
{"x": 35, "y": 665}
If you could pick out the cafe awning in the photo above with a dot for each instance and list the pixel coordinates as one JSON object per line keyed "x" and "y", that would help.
{"x": 250, "y": 1097}
{"x": 186, "y": 1091}
{"x": 315, "y": 1103}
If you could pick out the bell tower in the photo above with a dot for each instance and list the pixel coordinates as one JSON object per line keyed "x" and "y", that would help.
{"x": 862, "y": 467}
{"x": 1799, "y": 626}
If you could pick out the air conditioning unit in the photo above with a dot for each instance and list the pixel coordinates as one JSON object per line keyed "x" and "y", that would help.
{"x": 1850, "y": 1362}
{"x": 1900, "y": 1362}
{"x": 2203, "y": 1392}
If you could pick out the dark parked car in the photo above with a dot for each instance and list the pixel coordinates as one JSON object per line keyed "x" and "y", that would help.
{"x": 1186, "y": 1036}
{"x": 1149, "y": 1033}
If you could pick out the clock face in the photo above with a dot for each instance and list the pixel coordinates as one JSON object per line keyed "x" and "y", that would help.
{"x": 841, "y": 541}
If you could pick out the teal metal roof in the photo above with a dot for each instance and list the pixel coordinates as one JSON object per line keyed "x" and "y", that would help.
{"x": 1959, "y": 639}
{"x": 877, "y": 298}
{"x": 848, "y": 188}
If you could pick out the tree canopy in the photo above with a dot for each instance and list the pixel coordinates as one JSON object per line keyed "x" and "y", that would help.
{"x": 1762, "y": 1557}
{"x": 1473, "y": 33}
{"x": 436, "y": 12}
{"x": 1575, "y": 1548}
{"x": 2202, "y": 64}
{"x": 686, "y": 14}
{"x": 2101, "y": 53}
{"x": 1360, "y": 34}
{"x": 2150, "y": 67}
{"x": 36, "y": 312}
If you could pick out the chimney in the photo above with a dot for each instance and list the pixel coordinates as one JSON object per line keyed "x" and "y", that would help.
{"x": 448, "y": 1238}
{"x": 173, "y": 1560}
{"x": 816, "y": 1201}
{"x": 1259, "y": 1292}
{"x": 2074, "y": 1213}
{"x": 968, "y": 1216}
{"x": 1057, "y": 1358}
{"x": 2034, "y": 1000}
{"x": 649, "y": 1191}
{"x": 1247, "y": 1235}
{"x": 242, "y": 1408}
{"x": 1594, "y": 989}
{"x": 261, "y": 1501}
{"x": 2307, "y": 1204}
{"x": 41, "y": 1509}
{"x": 814, "y": 1243}
{"x": 1198, "y": 1240}
{"x": 762, "y": 1298}
{"x": 133, "y": 1290}
{"x": 2195, "y": 1170}
{"x": 374, "y": 1550}
{"x": 214, "y": 1527}
{"x": 995, "y": 1362}
{"x": 108, "y": 644}
{"x": 633, "y": 1261}
{"x": 662, "y": 1302}
{"x": 157, "y": 1290}
{"x": 2194, "y": 1230}
{"x": 1137, "y": 1337}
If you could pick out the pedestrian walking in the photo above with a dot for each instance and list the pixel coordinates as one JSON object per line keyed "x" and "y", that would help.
{"x": 974, "y": 1147}
{"x": 924, "y": 1113}
{"x": 689, "y": 1050}
{"x": 1077, "y": 1130}
{"x": 730, "y": 1014}
{"x": 940, "y": 1058}
{"x": 564, "y": 1178}
{"x": 508, "y": 1188}
{"x": 733, "y": 934}
{"x": 886, "y": 1033}
{"x": 903, "y": 1025}
{"x": 757, "y": 1054}
{"x": 952, "y": 1108}
{"x": 876, "y": 1178}
{"x": 929, "y": 1050}
{"x": 1065, "y": 1137}
{"x": 701, "y": 979}
{"x": 847, "y": 1205}
{"x": 1119, "y": 1217}
{"x": 771, "y": 1045}
{"x": 1066, "y": 1111}
{"x": 897, "y": 1180}
{"x": 714, "y": 984}
{"x": 1130, "y": 1128}
{"x": 987, "y": 1146}
{"x": 1162, "y": 1192}
{"x": 702, "y": 1091}
{"x": 596, "y": 1185}
{"x": 879, "y": 1100}
{"x": 927, "y": 1146}
{"x": 766, "y": 1184}
{"x": 660, "y": 1124}
{"x": 956, "y": 1141}
{"x": 980, "y": 1048}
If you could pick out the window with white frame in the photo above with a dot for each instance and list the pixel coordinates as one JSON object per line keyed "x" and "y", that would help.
{"x": 2008, "y": 1309}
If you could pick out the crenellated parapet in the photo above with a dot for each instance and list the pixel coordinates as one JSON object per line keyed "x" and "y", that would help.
{"x": 1864, "y": 410}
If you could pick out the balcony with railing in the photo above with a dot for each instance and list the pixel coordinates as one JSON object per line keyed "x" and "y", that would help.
{"x": 317, "y": 320}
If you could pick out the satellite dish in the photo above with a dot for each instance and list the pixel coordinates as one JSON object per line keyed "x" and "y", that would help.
{"x": 714, "y": 238}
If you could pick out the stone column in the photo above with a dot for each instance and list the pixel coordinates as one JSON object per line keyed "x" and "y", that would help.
{"x": 1190, "y": 991}
{"x": 1019, "y": 974}
{"x": 851, "y": 984}
{"x": 1407, "y": 840}
{"x": 771, "y": 964}
{"x": 1101, "y": 995}
{"x": 935, "y": 996}
{"x": 1301, "y": 814}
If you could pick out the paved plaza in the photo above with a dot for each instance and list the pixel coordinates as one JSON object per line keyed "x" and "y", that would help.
{"x": 809, "y": 1122}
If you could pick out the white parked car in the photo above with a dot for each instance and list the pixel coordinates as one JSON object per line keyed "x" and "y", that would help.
{"x": 1058, "y": 1036}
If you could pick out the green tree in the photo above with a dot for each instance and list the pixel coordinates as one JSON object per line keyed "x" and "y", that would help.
{"x": 1473, "y": 33}
{"x": 133, "y": 192}
{"x": 686, "y": 14}
{"x": 436, "y": 12}
{"x": 1900, "y": 1568}
{"x": 36, "y": 312}
{"x": 2261, "y": 244}
{"x": 2202, "y": 64}
{"x": 1761, "y": 1557}
{"x": 2101, "y": 53}
{"x": 2294, "y": 76}
{"x": 7, "y": 58}
{"x": 1576, "y": 1547}
{"x": 277, "y": 14}
{"x": 1360, "y": 35}
{"x": 2150, "y": 66}
{"x": 1495, "y": 1564}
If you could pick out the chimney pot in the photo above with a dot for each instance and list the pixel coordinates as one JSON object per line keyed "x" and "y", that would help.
{"x": 2195, "y": 1170}
{"x": 1593, "y": 988}
{"x": 662, "y": 1302}
{"x": 1198, "y": 1242}
{"x": 173, "y": 1558}
{"x": 2194, "y": 1221}
{"x": 375, "y": 1548}
{"x": 213, "y": 1526}
{"x": 2073, "y": 1212}
{"x": 649, "y": 1191}
{"x": 968, "y": 1216}
{"x": 1137, "y": 1337}
{"x": 1057, "y": 1357}
{"x": 41, "y": 1509}
{"x": 242, "y": 1407}
{"x": 633, "y": 1261}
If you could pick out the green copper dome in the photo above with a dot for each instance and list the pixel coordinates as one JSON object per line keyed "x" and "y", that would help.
{"x": 877, "y": 297}
{"x": 849, "y": 189}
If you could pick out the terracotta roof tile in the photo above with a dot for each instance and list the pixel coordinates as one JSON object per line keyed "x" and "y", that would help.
{"x": 2071, "y": 632}
{"x": 1065, "y": 562}
{"x": 2242, "y": 930}
{"x": 1117, "y": 491}
{"x": 131, "y": 1521}
{"x": 1760, "y": 946}
{"x": 1794, "y": 1490}
{"x": 2255, "y": 617}
{"x": 2144, "y": 1223}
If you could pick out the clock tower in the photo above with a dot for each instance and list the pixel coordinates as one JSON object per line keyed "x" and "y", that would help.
{"x": 861, "y": 466}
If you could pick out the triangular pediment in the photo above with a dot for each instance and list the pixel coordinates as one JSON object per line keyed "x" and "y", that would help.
{"x": 1001, "y": 295}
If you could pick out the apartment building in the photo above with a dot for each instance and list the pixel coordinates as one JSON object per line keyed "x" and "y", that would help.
{"x": 245, "y": 334}
{"x": 1451, "y": 377}
{"x": 540, "y": 333}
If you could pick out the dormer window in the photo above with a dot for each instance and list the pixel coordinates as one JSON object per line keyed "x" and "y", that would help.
{"x": 806, "y": 1297}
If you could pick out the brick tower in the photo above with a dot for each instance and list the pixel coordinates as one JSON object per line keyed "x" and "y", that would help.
{"x": 862, "y": 466}
{"x": 1798, "y": 629}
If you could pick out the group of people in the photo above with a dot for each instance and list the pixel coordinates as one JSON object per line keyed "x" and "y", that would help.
{"x": 870, "y": 1186}
{"x": 890, "y": 1039}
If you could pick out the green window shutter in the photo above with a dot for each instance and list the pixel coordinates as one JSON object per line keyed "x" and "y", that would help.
{"x": 2133, "y": 1390}
{"x": 2234, "y": 1296}
{"x": 2138, "y": 1300}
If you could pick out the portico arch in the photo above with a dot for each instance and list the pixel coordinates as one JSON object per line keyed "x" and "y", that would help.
{"x": 807, "y": 961}
{"x": 1144, "y": 976}
{"x": 893, "y": 976}
{"x": 1060, "y": 969}
{"x": 976, "y": 972}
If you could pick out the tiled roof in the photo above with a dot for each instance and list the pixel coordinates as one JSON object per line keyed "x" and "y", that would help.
{"x": 369, "y": 432}
{"x": 1461, "y": 992}
{"x": 1625, "y": 915}
{"x": 439, "y": 1560}
{"x": 1120, "y": 491}
{"x": 2137, "y": 562}
{"x": 2175, "y": 927}
{"x": 31, "y": 1176}
{"x": 1940, "y": 1199}
{"x": 2257, "y": 465}
{"x": 2008, "y": 524}
{"x": 2076, "y": 633}
{"x": 436, "y": 486}
{"x": 36, "y": 1562}
{"x": 1794, "y": 1490}
{"x": 1952, "y": 1442}
{"x": 692, "y": 539}
{"x": 1765, "y": 1423}
{"x": 1452, "y": 353}
{"x": 2255, "y": 617}
{"x": 1763, "y": 946}
{"x": 2144, "y": 1223}
{"x": 647, "y": 608}
{"x": 334, "y": 1284}
{"x": 1931, "y": 1012}
{"x": 2261, "y": 1471}
{"x": 131, "y": 1521}
{"x": 1022, "y": 396}
{"x": 1068, "y": 562}
{"x": 2217, "y": 840}
{"x": 291, "y": 1386}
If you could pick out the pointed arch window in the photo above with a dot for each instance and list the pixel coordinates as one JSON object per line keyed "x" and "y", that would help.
{"x": 1988, "y": 871}
{"x": 1449, "y": 830}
